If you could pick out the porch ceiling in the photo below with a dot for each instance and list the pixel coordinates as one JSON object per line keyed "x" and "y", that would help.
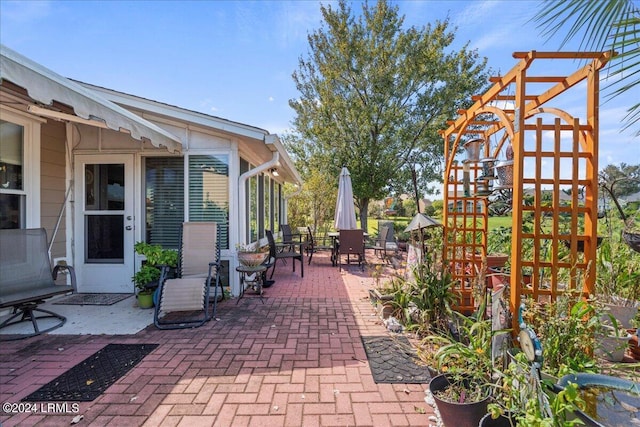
{"x": 48, "y": 88}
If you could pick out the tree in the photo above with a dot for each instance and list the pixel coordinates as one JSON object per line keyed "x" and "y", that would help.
{"x": 373, "y": 96}
{"x": 624, "y": 179}
{"x": 604, "y": 25}
{"x": 315, "y": 204}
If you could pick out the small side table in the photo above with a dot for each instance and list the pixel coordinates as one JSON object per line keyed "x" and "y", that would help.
{"x": 256, "y": 282}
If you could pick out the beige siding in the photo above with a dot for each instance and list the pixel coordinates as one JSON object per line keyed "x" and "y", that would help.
{"x": 52, "y": 183}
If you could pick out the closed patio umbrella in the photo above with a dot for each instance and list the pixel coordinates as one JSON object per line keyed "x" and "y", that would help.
{"x": 345, "y": 211}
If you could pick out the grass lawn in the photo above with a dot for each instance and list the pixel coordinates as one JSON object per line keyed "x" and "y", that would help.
{"x": 500, "y": 221}
{"x": 494, "y": 221}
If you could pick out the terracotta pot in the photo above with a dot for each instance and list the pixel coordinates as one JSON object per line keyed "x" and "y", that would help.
{"x": 634, "y": 347}
{"x": 252, "y": 259}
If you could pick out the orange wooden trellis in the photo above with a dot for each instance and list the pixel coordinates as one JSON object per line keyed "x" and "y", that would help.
{"x": 554, "y": 177}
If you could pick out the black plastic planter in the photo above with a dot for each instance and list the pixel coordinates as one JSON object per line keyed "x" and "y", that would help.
{"x": 456, "y": 414}
{"x": 501, "y": 421}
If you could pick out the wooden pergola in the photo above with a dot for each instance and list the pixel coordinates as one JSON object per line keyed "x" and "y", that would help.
{"x": 554, "y": 176}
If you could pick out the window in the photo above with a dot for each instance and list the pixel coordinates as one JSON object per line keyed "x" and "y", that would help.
{"x": 268, "y": 225}
{"x": 209, "y": 192}
{"x": 12, "y": 189}
{"x": 276, "y": 203}
{"x": 164, "y": 200}
{"x": 253, "y": 208}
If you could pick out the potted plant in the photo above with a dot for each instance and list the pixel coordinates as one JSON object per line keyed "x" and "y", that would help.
{"x": 613, "y": 340}
{"x": 462, "y": 390}
{"x": 146, "y": 278}
{"x": 382, "y": 296}
{"x": 252, "y": 255}
{"x": 146, "y": 281}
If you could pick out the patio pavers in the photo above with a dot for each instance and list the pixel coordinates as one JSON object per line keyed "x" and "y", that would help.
{"x": 295, "y": 360}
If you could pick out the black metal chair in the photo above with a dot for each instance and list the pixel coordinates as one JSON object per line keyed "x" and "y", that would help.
{"x": 316, "y": 244}
{"x": 284, "y": 251}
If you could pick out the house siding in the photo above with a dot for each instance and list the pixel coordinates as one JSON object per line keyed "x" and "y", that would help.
{"x": 52, "y": 183}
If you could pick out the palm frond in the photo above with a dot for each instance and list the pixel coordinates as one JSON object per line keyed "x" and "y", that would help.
{"x": 602, "y": 25}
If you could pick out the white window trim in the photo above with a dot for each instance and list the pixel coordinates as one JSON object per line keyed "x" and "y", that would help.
{"x": 31, "y": 166}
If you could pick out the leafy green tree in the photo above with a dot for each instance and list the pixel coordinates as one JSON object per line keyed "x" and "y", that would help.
{"x": 603, "y": 25}
{"x": 315, "y": 204}
{"x": 625, "y": 179}
{"x": 619, "y": 181}
{"x": 437, "y": 206}
{"x": 374, "y": 94}
{"x": 410, "y": 207}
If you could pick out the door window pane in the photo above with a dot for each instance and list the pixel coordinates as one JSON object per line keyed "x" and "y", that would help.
{"x": 104, "y": 187}
{"x": 164, "y": 200}
{"x": 209, "y": 192}
{"x": 12, "y": 194}
{"x": 104, "y": 239}
{"x": 12, "y": 211}
{"x": 11, "y": 155}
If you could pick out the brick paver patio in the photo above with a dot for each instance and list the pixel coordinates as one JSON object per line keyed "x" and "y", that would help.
{"x": 296, "y": 360}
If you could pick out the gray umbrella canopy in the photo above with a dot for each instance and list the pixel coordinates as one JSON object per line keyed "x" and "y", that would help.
{"x": 345, "y": 218}
{"x": 421, "y": 221}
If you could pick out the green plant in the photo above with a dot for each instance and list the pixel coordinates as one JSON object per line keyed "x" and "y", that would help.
{"x": 617, "y": 272}
{"x": 146, "y": 275}
{"x": 251, "y": 248}
{"x": 155, "y": 258}
{"x": 566, "y": 328}
{"x": 155, "y": 255}
{"x": 464, "y": 355}
{"x": 527, "y": 401}
{"x": 432, "y": 295}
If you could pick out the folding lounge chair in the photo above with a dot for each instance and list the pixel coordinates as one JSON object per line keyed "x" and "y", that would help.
{"x": 351, "y": 243}
{"x": 284, "y": 251}
{"x": 184, "y": 302}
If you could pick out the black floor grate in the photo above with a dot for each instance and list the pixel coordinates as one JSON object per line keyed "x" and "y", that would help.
{"x": 91, "y": 377}
{"x": 393, "y": 361}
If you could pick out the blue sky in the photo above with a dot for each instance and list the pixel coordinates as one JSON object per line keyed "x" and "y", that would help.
{"x": 234, "y": 59}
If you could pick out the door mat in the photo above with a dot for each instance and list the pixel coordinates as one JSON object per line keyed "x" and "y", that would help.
{"x": 92, "y": 299}
{"x": 392, "y": 360}
{"x": 91, "y": 377}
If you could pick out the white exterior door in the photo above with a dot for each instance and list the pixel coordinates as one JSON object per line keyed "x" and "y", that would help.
{"x": 104, "y": 223}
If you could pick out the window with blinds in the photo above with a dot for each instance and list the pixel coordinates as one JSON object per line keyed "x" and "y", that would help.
{"x": 209, "y": 192}
{"x": 164, "y": 200}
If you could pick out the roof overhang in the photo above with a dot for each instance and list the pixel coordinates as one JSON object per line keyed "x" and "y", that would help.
{"x": 44, "y": 86}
